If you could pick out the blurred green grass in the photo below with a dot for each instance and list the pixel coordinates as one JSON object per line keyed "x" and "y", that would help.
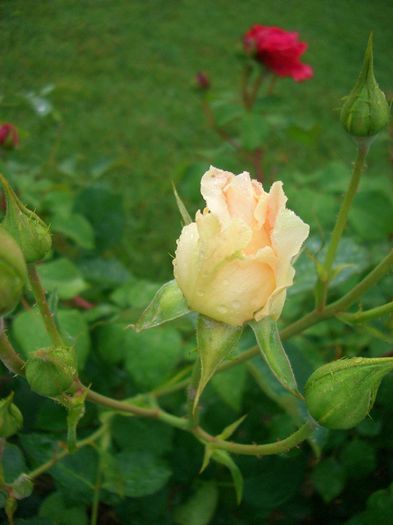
{"x": 123, "y": 72}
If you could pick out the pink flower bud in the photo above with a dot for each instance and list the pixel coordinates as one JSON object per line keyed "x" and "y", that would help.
{"x": 9, "y": 137}
{"x": 202, "y": 81}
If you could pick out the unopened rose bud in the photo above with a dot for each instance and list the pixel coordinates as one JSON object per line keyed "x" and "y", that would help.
{"x": 51, "y": 371}
{"x": 341, "y": 394}
{"x": 11, "y": 419}
{"x": 365, "y": 111}
{"x": 13, "y": 272}
{"x": 29, "y": 231}
{"x": 9, "y": 137}
{"x": 202, "y": 81}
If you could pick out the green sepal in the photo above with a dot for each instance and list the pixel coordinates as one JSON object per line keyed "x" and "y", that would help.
{"x": 25, "y": 226}
{"x": 11, "y": 419}
{"x": 272, "y": 351}
{"x": 13, "y": 272}
{"x": 215, "y": 341}
{"x": 339, "y": 395}
{"x": 225, "y": 434}
{"x": 167, "y": 304}
{"x": 186, "y": 217}
{"x": 22, "y": 487}
{"x": 224, "y": 458}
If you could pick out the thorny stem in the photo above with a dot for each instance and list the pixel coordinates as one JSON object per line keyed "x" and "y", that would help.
{"x": 341, "y": 222}
{"x": 47, "y": 315}
{"x": 63, "y": 453}
{"x": 367, "y": 315}
{"x": 8, "y": 356}
{"x": 267, "y": 449}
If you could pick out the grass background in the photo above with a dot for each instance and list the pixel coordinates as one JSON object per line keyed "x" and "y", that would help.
{"x": 123, "y": 72}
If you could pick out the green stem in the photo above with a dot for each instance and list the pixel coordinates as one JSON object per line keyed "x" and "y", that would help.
{"x": 124, "y": 406}
{"x": 8, "y": 356}
{"x": 255, "y": 89}
{"x": 60, "y": 455}
{"x": 368, "y": 315}
{"x": 341, "y": 221}
{"x": 47, "y": 316}
{"x": 268, "y": 449}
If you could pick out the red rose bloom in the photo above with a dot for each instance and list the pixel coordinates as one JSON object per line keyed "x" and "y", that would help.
{"x": 9, "y": 138}
{"x": 278, "y": 50}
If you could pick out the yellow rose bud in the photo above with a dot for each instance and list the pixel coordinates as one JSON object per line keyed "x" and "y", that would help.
{"x": 234, "y": 263}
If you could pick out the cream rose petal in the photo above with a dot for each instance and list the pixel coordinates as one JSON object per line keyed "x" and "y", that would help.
{"x": 241, "y": 199}
{"x": 288, "y": 235}
{"x": 212, "y": 188}
{"x": 238, "y": 288}
{"x": 186, "y": 262}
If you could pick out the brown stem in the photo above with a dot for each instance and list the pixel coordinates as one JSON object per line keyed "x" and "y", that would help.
{"x": 7, "y": 353}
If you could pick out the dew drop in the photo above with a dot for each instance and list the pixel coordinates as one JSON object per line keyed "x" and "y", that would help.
{"x": 222, "y": 309}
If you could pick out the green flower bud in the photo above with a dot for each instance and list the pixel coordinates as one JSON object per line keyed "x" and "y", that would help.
{"x": 365, "y": 111}
{"x": 12, "y": 272}
{"x": 29, "y": 231}
{"x": 340, "y": 394}
{"x": 11, "y": 419}
{"x": 51, "y": 371}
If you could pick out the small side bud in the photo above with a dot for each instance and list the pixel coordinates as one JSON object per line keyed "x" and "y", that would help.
{"x": 11, "y": 419}
{"x": 365, "y": 111}
{"x": 29, "y": 231}
{"x": 202, "y": 81}
{"x": 13, "y": 272}
{"x": 51, "y": 371}
{"x": 340, "y": 394}
{"x": 9, "y": 137}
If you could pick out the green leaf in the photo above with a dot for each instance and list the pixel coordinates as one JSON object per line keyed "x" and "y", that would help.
{"x": 215, "y": 341}
{"x": 168, "y": 304}
{"x": 63, "y": 277}
{"x": 29, "y": 331}
{"x": 150, "y": 357}
{"x": 110, "y": 342}
{"x": 76, "y": 475}
{"x": 76, "y": 228}
{"x": 103, "y": 209}
{"x": 230, "y": 386}
{"x": 254, "y": 131}
{"x": 57, "y": 509}
{"x": 136, "y": 293}
{"x": 200, "y": 507}
{"x": 371, "y": 215}
{"x": 13, "y": 462}
{"x": 358, "y": 458}
{"x": 329, "y": 479}
{"x": 272, "y": 351}
{"x": 135, "y": 474}
{"x": 138, "y": 435}
{"x": 106, "y": 273}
